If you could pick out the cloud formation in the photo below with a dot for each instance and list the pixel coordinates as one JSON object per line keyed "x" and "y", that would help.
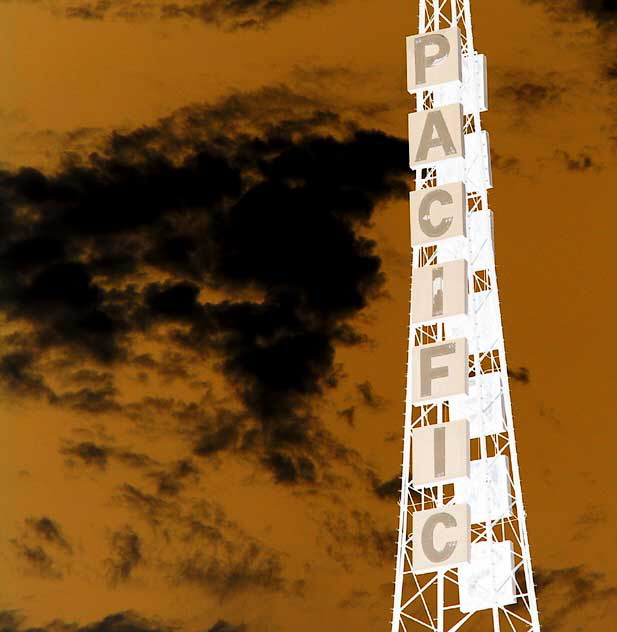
{"x": 358, "y": 531}
{"x": 99, "y": 455}
{"x": 202, "y": 546}
{"x": 603, "y": 12}
{"x": 564, "y": 591}
{"x": 523, "y": 94}
{"x": 231, "y": 232}
{"x": 126, "y": 554}
{"x": 33, "y": 544}
{"x": 519, "y": 375}
{"x": 128, "y": 621}
{"x": 48, "y": 530}
{"x": 582, "y": 163}
{"x": 238, "y": 14}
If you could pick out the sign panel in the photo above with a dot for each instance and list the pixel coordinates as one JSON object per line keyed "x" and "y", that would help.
{"x": 440, "y": 453}
{"x": 487, "y": 490}
{"x": 436, "y": 135}
{"x": 439, "y": 291}
{"x": 441, "y": 537}
{"x": 483, "y": 407}
{"x": 488, "y": 580}
{"x": 472, "y": 92}
{"x": 433, "y": 58}
{"x": 440, "y": 370}
{"x": 438, "y": 213}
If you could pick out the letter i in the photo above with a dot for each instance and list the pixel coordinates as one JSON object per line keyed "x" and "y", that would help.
{"x": 438, "y": 291}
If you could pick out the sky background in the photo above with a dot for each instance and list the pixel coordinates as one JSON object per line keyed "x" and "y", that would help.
{"x": 204, "y": 284}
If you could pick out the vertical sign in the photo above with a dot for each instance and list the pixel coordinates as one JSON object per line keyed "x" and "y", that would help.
{"x": 440, "y": 453}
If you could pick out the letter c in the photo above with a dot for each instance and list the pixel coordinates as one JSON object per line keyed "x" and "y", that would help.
{"x": 424, "y": 213}
{"x": 428, "y": 537}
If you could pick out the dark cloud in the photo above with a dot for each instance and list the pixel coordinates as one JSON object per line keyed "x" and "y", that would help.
{"x": 530, "y": 94}
{"x": 564, "y": 591}
{"x": 509, "y": 164}
{"x": 126, "y": 554}
{"x": 599, "y": 9}
{"x": 170, "y": 482}
{"x": 129, "y": 621}
{"x": 519, "y": 375}
{"x": 391, "y": 489}
{"x": 48, "y": 530}
{"x": 88, "y": 452}
{"x": 36, "y": 560}
{"x": 602, "y": 12}
{"x": 99, "y": 455}
{"x": 19, "y": 375}
{"x": 388, "y": 490}
{"x": 581, "y": 163}
{"x": 611, "y": 71}
{"x": 349, "y": 415}
{"x": 202, "y": 547}
{"x": 218, "y": 434}
{"x": 32, "y": 543}
{"x": 369, "y": 397}
{"x": 288, "y": 469}
{"x": 92, "y": 377}
{"x": 150, "y": 507}
{"x": 90, "y": 400}
{"x": 525, "y": 94}
{"x": 250, "y": 571}
{"x": 231, "y": 232}
{"x": 358, "y": 531}
{"x": 230, "y": 15}
{"x": 60, "y": 298}
{"x": 223, "y": 626}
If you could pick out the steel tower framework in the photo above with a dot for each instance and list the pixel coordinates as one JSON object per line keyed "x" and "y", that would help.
{"x": 431, "y": 601}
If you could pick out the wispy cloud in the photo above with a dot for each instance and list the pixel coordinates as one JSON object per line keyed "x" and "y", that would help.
{"x": 128, "y": 621}
{"x": 239, "y": 14}
{"x": 42, "y": 547}
{"x": 202, "y": 546}
{"x": 126, "y": 554}
{"x": 568, "y": 590}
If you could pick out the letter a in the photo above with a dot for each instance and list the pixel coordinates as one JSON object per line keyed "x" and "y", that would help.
{"x": 436, "y": 135}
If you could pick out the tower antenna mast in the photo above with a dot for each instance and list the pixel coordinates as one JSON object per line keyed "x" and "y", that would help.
{"x": 463, "y": 559}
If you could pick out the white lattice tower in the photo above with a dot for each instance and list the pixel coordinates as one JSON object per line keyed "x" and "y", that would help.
{"x": 431, "y": 601}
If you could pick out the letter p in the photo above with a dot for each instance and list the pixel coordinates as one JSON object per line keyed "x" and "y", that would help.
{"x": 424, "y": 59}
{"x": 433, "y": 58}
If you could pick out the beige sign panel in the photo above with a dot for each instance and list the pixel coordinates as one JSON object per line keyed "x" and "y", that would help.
{"x": 439, "y": 291}
{"x": 439, "y": 371}
{"x": 441, "y": 537}
{"x": 433, "y": 58}
{"x": 440, "y": 453}
{"x": 438, "y": 213}
{"x": 436, "y": 135}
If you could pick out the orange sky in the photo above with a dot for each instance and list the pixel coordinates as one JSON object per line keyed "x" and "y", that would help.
{"x": 552, "y": 126}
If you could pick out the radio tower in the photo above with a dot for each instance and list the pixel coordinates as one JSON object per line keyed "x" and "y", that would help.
{"x": 471, "y": 499}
